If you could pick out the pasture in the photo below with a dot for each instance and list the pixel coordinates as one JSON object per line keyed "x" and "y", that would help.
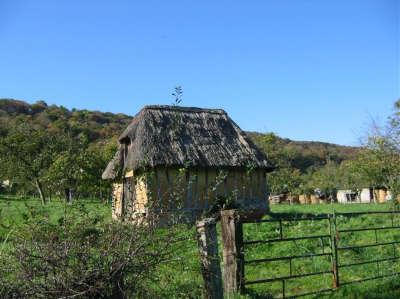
{"x": 181, "y": 277}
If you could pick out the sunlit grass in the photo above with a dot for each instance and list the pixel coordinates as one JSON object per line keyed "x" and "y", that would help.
{"x": 181, "y": 277}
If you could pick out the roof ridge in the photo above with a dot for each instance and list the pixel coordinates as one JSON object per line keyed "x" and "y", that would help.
{"x": 184, "y": 108}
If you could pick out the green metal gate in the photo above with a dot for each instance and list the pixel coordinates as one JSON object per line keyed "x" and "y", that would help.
{"x": 328, "y": 259}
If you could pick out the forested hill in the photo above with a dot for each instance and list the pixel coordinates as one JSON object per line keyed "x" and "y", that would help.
{"x": 95, "y": 125}
{"x": 302, "y": 154}
{"x": 98, "y": 126}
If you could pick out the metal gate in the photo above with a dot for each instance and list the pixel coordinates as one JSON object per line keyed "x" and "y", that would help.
{"x": 327, "y": 256}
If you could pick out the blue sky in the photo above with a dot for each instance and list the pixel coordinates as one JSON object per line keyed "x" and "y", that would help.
{"x": 306, "y": 70}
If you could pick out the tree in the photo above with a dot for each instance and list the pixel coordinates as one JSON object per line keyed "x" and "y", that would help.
{"x": 326, "y": 179}
{"x": 68, "y": 169}
{"x": 380, "y": 163}
{"x": 99, "y": 154}
{"x": 77, "y": 168}
{"x": 26, "y": 154}
{"x": 284, "y": 180}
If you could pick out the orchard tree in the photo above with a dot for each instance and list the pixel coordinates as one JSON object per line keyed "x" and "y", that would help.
{"x": 284, "y": 180}
{"x": 326, "y": 179}
{"x": 77, "y": 169}
{"x": 275, "y": 148}
{"x": 99, "y": 154}
{"x": 68, "y": 168}
{"x": 26, "y": 154}
{"x": 380, "y": 164}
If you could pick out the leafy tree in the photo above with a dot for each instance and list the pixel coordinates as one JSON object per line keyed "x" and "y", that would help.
{"x": 68, "y": 168}
{"x": 26, "y": 154}
{"x": 326, "y": 179}
{"x": 378, "y": 165}
{"x": 79, "y": 152}
{"x": 284, "y": 180}
{"x": 77, "y": 169}
{"x": 99, "y": 154}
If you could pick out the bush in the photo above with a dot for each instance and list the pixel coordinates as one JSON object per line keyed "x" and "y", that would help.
{"x": 83, "y": 256}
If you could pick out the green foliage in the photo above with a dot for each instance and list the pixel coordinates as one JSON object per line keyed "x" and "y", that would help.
{"x": 284, "y": 180}
{"x": 78, "y": 167}
{"x": 77, "y": 252}
{"x": 52, "y": 149}
{"x": 26, "y": 154}
{"x": 88, "y": 141}
{"x": 179, "y": 276}
{"x": 326, "y": 178}
{"x": 301, "y": 155}
{"x": 379, "y": 164}
{"x": 376, "y": 165}
{"x": 302, "y": 167}
{"x": 95, "y": 125}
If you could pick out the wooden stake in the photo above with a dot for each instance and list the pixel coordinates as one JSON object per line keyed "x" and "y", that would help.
{"x": 232, "y": 239}
{"x": 207, "y": 239}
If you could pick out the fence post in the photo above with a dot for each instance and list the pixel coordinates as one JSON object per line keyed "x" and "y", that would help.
{"x": 232, "y": 240}
{"x": 207, "y": 239}
{"x": 334, "y": 244}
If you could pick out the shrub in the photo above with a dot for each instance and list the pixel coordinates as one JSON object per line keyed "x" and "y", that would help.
{"x": 83, "y": 256}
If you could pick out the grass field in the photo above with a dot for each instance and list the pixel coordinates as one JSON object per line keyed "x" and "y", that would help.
{"x": 181, "y": 278}
{"x": 382, "y": 288}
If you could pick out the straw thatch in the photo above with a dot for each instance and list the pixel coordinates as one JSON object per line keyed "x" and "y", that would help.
{"x": 114, "y": 167}
{"x": 172, "y": 136}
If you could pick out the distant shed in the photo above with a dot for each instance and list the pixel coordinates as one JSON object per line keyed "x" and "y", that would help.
{"x": 346, "y": 196}
{"x": 367, "y": 195}
{"x": 201, "y": 152}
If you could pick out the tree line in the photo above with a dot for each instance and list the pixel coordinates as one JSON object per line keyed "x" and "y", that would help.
{"x": 53, "y": 151}
{"x": 49, "y": 150}
{"x": 375, "y": 164}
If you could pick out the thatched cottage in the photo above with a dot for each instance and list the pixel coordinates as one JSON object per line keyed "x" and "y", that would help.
{"x": 187, "y": 159}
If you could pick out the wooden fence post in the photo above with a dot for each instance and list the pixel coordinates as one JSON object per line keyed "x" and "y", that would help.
{"x": 207, "y": 239}
{"x": 232, "y": 240}
{"x": 334, "y": 245}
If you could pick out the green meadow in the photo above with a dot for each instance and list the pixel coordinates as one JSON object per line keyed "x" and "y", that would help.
{"x": 181, "y": 278}
{"x": 380, "y": 288}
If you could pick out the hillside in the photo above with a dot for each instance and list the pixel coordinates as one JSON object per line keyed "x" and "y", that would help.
{"x": 302, "y": 154}
{"x": 95, "y": 125}
{"x": 98, "y": 126}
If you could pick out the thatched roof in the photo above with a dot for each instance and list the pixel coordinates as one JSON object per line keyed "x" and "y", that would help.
{"x": 185, "y": 136}
{"x": 114, "y": 167}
